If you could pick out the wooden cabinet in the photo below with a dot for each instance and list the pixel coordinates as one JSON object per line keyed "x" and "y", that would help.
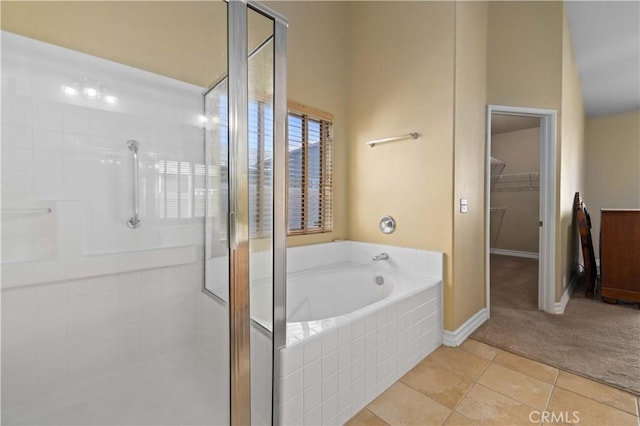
{"x": 620, "y": 254}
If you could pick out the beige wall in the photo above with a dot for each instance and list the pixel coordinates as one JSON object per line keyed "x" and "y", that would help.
{"x": 571, "y": 163}
{"x": 516, "y": 228}
{"x": 468, "y": 295}
{"x": 400, "y": 81}
{"x": 530, "y": 64}
{"x": 185, "y": 40}
{"x": 612, "y": 166}
{"x": 395, "y": 91}
{"x": 524, "y": 54}
{"x": 317, "y": 61}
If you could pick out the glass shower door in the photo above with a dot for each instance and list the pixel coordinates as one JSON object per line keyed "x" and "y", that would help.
{"x": 246, "y": 118}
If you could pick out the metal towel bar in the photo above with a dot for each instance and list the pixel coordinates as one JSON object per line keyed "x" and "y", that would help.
{"x": 412, "y": 135}
{"x": 134, "y": 221}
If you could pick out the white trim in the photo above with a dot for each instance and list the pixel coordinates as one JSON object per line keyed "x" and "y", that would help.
{"x": 455, "y": 338}
{"x": 514, "y": 253}
{"x": 547, "y": 245}
{"x": 558, "y": 307}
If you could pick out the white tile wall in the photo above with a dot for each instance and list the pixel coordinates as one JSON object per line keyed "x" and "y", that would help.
{"x": 329, "y": 377}
{"x": 57, "y": 335}
{"x": 68, "y": 154}
{"x": 101, "y": 323}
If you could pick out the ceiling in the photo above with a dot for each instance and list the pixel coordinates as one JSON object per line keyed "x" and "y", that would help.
{"x": 606, "y": 44}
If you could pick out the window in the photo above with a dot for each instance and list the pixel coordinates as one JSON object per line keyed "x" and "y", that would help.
{"x": 310, "y": 171}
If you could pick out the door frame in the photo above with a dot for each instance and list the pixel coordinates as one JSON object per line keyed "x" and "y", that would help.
{"x": 547, "y": 212}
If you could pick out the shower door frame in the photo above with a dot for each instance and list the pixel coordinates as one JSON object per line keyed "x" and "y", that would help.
{"x": 239, "y": 291}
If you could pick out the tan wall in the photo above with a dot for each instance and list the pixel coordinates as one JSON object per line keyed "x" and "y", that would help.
{"x": 612, "y": 166}
{"x": 524, "y": 54}
{"x": 185, "y": 40}
{"x": 530, "y": 64}
{"x": 469, "y": 158}
{"x": 516, "y": 228}
{"x": 571, "y": 163}
{"x": 317, "y": 61}
{"x": 400, "y": 81}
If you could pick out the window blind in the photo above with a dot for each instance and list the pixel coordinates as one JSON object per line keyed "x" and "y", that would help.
{"x": 310, "y": 176}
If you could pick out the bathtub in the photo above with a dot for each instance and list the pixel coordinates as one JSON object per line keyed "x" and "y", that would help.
{"x": 354, "y": 326}
{"x": 311, "y": 295}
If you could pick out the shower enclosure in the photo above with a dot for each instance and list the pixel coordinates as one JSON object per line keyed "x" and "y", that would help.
{"x": 142, "y": 212}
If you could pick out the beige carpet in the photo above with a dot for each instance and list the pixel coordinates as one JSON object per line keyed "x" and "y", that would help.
{"x": 591, "y": 338}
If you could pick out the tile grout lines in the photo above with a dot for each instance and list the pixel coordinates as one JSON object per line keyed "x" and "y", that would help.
{"x": 555, "y": 382}
{"x": 554, "y": 385}
{"x": 455, "y": 408}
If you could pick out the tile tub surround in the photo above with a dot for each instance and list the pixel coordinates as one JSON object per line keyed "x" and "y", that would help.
{"x": 330, "y": 369}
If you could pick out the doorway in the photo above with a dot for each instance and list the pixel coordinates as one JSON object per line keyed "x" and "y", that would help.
{"x": 514, "y": 184}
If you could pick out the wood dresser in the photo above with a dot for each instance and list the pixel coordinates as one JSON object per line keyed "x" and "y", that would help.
{"x": 620, "y": 254}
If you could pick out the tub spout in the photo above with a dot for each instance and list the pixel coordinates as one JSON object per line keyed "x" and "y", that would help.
{"x": 381, "y": 256}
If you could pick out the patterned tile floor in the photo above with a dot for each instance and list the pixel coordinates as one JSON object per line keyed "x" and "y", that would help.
{"x": 481, "y": 384}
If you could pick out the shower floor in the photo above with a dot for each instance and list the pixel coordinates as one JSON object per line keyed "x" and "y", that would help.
{"x": 170, "y": 390}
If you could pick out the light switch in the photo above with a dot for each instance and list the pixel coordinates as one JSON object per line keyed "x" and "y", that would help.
{"x": 463, "y": 205}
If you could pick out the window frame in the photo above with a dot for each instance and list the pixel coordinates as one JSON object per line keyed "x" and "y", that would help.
{"x": 325, "y": 197}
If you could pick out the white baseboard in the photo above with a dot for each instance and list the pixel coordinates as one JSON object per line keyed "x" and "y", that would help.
{"x": 558, "y": 307}
{"x": 516, "y": 253}
{"x": 455, "y": 338}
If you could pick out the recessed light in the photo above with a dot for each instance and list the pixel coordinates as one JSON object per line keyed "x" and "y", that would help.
{"x": 90, "y": 92}
{"x": 70, "y": 91}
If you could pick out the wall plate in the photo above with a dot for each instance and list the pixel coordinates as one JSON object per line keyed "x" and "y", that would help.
{"x": 387, "y": 224}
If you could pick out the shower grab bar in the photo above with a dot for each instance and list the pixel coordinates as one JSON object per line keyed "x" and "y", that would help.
{"x": 412, "y": 135}
{"x": 27, "y": 211}
{"x": 134, "y": 221}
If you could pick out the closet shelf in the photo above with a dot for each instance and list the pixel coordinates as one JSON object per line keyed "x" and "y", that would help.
{"x": 497, "y": 209}
{"x": 515, "y": 182}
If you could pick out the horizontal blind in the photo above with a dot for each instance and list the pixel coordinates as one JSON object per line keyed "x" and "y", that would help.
{"x": 297, "y": 172}
{"x": 310, "y": 174}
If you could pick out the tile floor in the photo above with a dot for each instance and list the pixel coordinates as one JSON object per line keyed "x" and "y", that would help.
{"x": 481, "y": 384}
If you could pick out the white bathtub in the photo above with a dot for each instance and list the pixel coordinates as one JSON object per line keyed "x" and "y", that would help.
{"x": 311, "y": 295}
{"x": 348, "y": 338}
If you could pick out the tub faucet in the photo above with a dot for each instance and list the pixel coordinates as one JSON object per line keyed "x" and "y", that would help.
{"x": 381, "y": 256}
